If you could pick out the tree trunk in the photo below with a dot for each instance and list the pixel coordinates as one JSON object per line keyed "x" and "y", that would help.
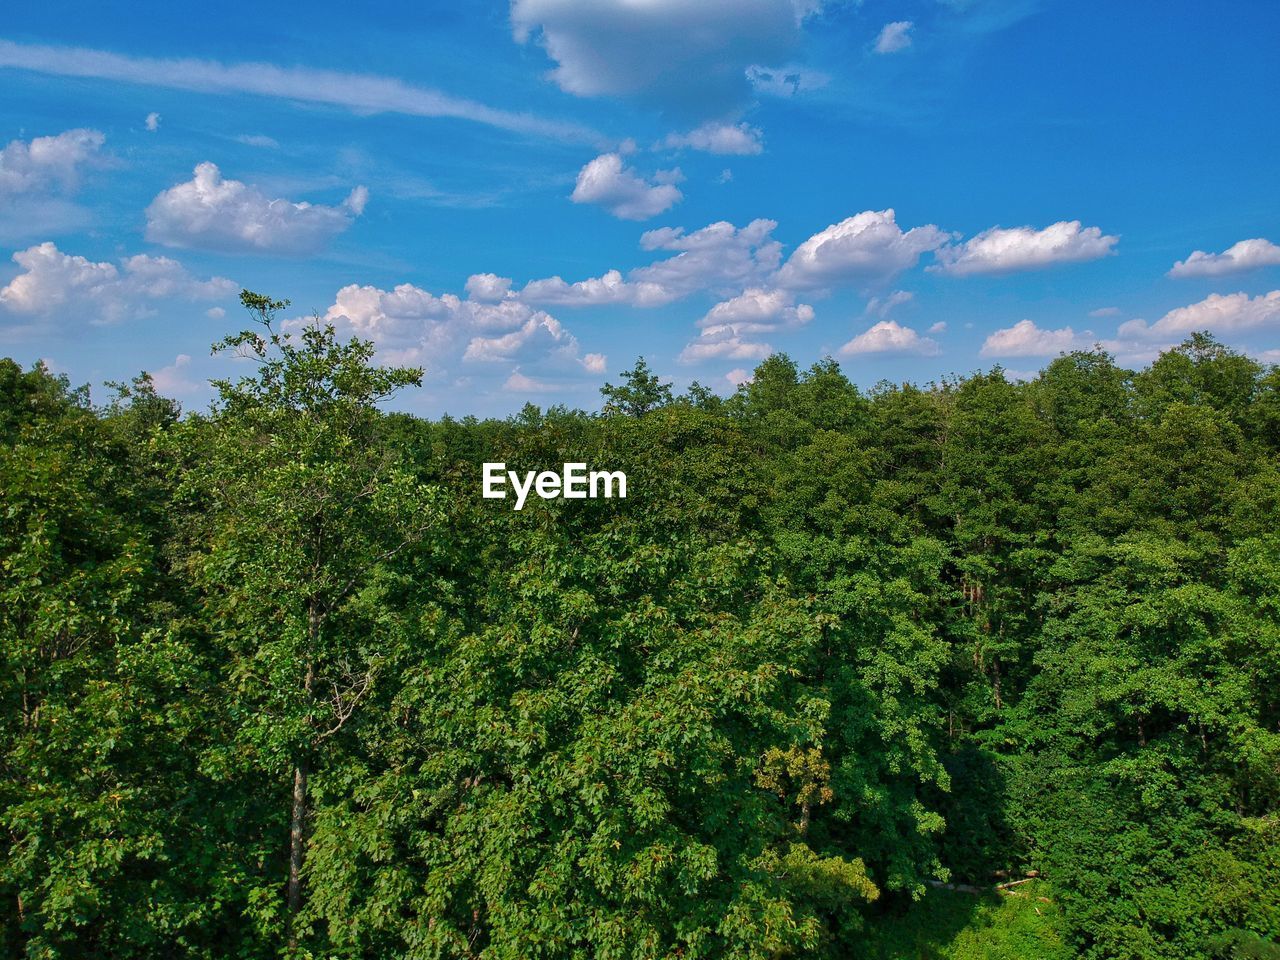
{"x": 297, "y": 840}
{"x": 301, "y": 769}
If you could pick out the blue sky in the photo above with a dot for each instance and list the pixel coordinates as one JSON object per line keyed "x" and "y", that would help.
{"x": 522, "y": 197}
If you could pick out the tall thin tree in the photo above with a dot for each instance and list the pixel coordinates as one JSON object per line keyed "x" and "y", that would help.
{"x": 303, "y": 503}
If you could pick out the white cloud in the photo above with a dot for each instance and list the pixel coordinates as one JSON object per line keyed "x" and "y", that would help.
{"x": 174, "y": 379}
{"x": 594, "y": 363}
{"x": 1025, "y": 339}
{"x": 863, "y": 248}
{"x": 540, "y": 333}
{"x": 153, "y": 124}
{"x": 46, "y": 164}
{"x": 519, "y": 383}
{"x": 1105, "y": 312}
{"x": 37, "y": 179}
{"x": 883, "y": 306}
{"x": 404, "y": 319}
{"x": 738, "y": 377}
{"x": 1001, "y": 250}
{"x": 52, "y": 282}
{"x": 1023, "y": 376}
{"x": 757, "y": 310}
{"x": 356, "y": 200}
{"x": 609, "y": 289}
{"x": 258, "y": 140}
{"x": 939, "y": 327}
{"x": 215, "y": 313}
{"x": 888, "y": 336}
{"x": 722, "y": 343}
{"x": 727, "y": 327}
{"x": 723, "y": 138}
{"x": 410, "y": 325}
{"x": 689, "y": 57}
{"x": 208, "y": 212}
{"x": 488, "y": 287}
{"x": 1241, "y": 256}
{"x": 358, "y": 92}
{"x": 1217, "y": 313}
{"x": 719, "y": 257}
{"x": 894, "y": 37}
{"x": 620, "y": 190}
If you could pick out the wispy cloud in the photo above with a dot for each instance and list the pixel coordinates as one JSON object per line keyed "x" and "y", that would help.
{"x": 894, "y": 37}
{"x": 364, "y": 93}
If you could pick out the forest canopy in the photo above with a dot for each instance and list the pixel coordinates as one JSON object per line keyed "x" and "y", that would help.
{"x": 278, "y": 681}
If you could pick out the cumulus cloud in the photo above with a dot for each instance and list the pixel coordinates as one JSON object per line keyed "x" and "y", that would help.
{"x": 52, "y": 281}
{"x": 1217, "y": 313}
{"x": 541, "y": 333}
{"x": 607, "y": 183}
{"x": 757, "y": 310}
{"x": 594, "y": 363}
{"x": 890, "y": 337}
{"x": 488, "y": 287}
{"x": 1007, "y": 250}
{"x": 687, "y": 57}
{"x": 1105, "y": 312}
{"x": 727, "y": 328}
{"x": 37, "y": 180}
{"x": 721, "y": 343}
{"x": 153, "y": 124}
{"x": 723, "y": 138}
{"x": 1025, "y": 339}
{"x": 864, "y": 248}
{"x": 606, "y": 290}
{"x": 175, "y": 379}
{"x": 738, "y": 377}
{"x": 1241, "y": 256}
{"x": 719, "y": 257}
{"x": 894, "y": 37}
{"x": 208, "y": 212}
{"x": 410, "y": 325}
{"x": 939, "y": 327}
{"x": 46, "y": 164}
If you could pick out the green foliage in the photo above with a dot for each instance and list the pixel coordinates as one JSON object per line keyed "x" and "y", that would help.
{"x": 277, "y": 681}
{"x": 641, "y": 390}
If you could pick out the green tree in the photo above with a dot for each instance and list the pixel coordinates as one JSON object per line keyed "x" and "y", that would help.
{"x": 299, "y": 502}
{"x": 641, "y": 390}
